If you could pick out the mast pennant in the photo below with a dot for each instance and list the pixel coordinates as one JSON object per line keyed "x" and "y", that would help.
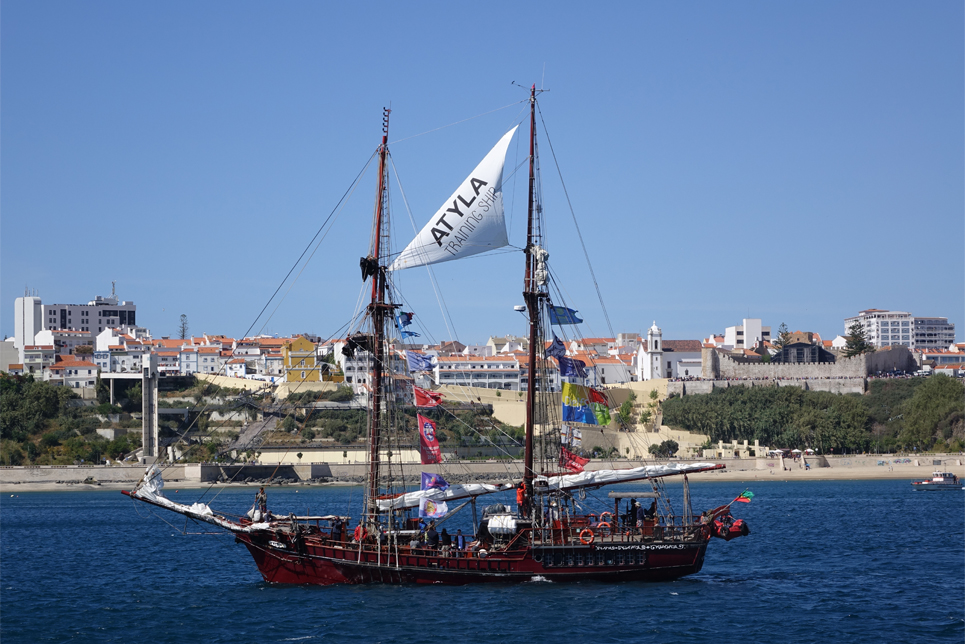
{"x": 470, "y": 222}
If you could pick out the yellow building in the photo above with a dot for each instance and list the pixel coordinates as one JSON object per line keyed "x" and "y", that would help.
{"x": 300, "y": 360}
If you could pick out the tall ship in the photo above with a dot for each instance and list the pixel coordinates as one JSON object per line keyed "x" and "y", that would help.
{"x": 552, "y": 532}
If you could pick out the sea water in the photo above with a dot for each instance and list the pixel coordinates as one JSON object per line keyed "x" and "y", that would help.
{"x": 826, "y": 561}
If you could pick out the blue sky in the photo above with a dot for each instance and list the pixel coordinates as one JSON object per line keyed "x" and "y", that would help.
{"x": 796, "y": 162}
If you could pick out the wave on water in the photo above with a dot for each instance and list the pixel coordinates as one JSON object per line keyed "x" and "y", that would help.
{"x": 539, "y": 579}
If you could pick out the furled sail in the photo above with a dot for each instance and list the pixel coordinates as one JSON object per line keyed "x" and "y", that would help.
{"x": 453, "y": 492}
{"x": 469, "y": 222}
{"x": 594, "y": 478}
{"x": 149, "y": 490}
{"x": 589, "y": 478}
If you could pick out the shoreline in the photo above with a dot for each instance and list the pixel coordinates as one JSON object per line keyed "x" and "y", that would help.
{"x": 855, "y": 473}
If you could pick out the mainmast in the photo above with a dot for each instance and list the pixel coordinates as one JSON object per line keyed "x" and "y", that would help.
{"x": 532, "y": 296}
{"x": 377, "y": 309}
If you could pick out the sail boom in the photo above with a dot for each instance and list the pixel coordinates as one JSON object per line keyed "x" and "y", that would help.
{"x": 451, "y": 493}
{"x": 599, "y": 478}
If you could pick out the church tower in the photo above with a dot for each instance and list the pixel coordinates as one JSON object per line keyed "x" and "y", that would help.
{"x": 654, "y": 353}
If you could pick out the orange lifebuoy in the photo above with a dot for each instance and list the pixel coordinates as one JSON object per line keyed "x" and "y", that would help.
{"x": 360, "y": 533}
{"x": 606, "y": 514}
{"x": 583, "y": 536}
{"x": 603, "y": 525}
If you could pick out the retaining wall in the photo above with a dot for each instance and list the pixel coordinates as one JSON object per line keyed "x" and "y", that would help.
{"x": 834, "y": 385}
{"x": 77, "y": 473}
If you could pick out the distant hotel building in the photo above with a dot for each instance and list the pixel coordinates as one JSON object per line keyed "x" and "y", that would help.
{"x": 886, "y": 328}
{"x": 34, "y": 317}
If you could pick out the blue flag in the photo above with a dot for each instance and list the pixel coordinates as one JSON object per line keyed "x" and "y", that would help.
{"x": 433, "y": 482}
{"x": 563, "y": 315}
{"x": 402, "y": 320}
{"x": 557, "y": 349}
{"x": 418, "y": 361}
{"x": 572, "y": 368}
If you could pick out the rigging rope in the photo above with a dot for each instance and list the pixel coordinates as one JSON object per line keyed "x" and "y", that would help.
{"x": 458, "y": 122}
{"x": 579, "y": 234}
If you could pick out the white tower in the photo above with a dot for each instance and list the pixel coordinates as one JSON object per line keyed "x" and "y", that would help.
{"x": 28, "y": 323}
{"x": 654, "y": 353}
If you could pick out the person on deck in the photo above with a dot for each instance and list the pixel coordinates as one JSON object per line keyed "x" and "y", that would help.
{"x": 262, "y": 500}
{"x": 445, "y": 540}
{"x": 641, "y": 516}
{"x": 652, "y": 512}
{"x": 521, "y": 497}
{"x": 629, "y": 518}
{"x": 460, "y": 543}
{"x": 432, "y": 537}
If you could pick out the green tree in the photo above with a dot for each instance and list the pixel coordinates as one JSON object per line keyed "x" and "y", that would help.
{"x": 289, "y": 424}
{"x": 183, "y": 327}
{"x": 102, "y": 390}
{"x": 783, "y": 336}
{"x": 134, "y": 398}
{"x": 626, "y": 410}
{"x": 938, "y": 401}
{"x": 856, "y": 342}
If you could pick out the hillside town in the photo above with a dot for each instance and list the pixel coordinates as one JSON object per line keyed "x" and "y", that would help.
{"x": 73, "y": 344}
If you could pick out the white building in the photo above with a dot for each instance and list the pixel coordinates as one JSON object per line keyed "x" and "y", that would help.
{"x": 74, "y": 374}
{"x": 32, "y": 316}
{"x": 747, "y": 335}
{"x": 65, "y": 342}
{"x": 29, "y": 315}
{"x": 659, "y": 358}
{"x": 885, "y": 328}
{"x": 478, "y": 350}
{"x": 37, "y": 358}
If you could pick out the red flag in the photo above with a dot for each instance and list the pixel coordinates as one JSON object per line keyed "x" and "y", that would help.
{"x": 571, "y": 461}
{"x": 428, "y": 443}
{"x": 597, "y": 396}
{"x": 425, "y": 398}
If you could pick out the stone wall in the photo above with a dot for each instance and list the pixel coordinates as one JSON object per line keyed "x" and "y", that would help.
{"x": 718, "y": 365}
{"x": 77, "y": 473}
{"x": 834, "y": 385}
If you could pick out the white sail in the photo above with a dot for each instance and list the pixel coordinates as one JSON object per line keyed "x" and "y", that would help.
{"x": 589, "y": 478}
{"x": 150, "y": 490}
{"x": 451, "y": 493}
{"x": 593, "y": 478}
{"x": 469, "y": 222}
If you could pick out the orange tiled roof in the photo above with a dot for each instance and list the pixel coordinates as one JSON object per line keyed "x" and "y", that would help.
{"x": 81, "y": 364}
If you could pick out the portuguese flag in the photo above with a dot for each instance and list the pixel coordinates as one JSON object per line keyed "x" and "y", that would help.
{"x": 745, "y": 497}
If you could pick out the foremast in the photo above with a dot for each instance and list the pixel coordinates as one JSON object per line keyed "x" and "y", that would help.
{"x": 376, "y": 309}
{"x": 533, "y": 295}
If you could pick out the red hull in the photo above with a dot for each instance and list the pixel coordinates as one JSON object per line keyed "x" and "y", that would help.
{"x": 305, "y": 562}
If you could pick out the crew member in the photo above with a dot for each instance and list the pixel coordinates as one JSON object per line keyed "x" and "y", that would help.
{"x": 641, "y": 516}
{"x": 521, "y": 496}
{"x": 652, "y": 512}
{"x": 262, "y": 500}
